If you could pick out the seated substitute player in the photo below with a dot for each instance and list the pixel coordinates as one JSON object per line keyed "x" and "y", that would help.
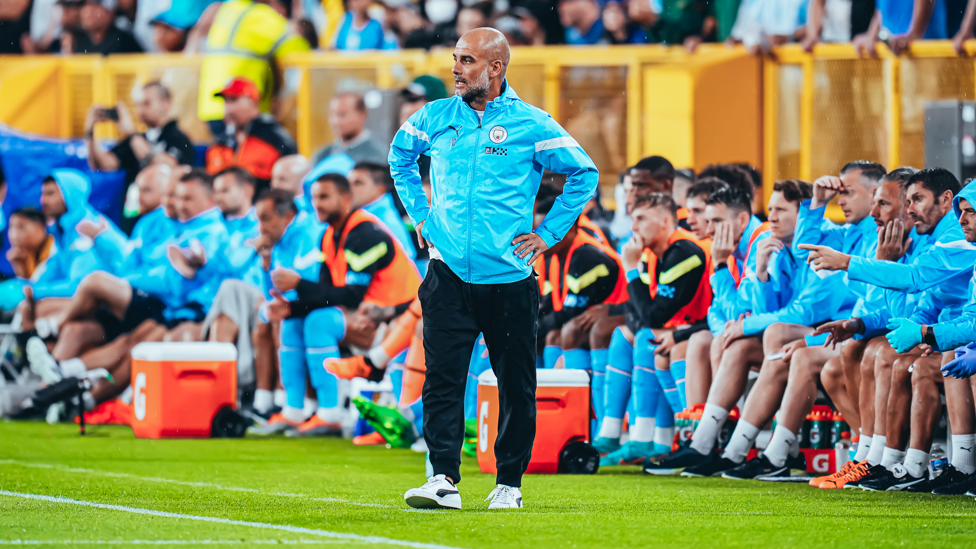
{"x": 574, "y": 275}
{"x": 940, "y": 273}
{"x": 922, "y": 383}
{"x": 371, "y": 185}
{"x": 675, "y": 292}
{"x": 361, "y": 262}
{"x": 781, "y": 291}
{"x": 30, "y": 247}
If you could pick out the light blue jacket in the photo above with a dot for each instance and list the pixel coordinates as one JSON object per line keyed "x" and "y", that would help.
{"x": 728, "y": 302}
{"x": 794, "y": 294}
{"x": 186, "y": 298}
{"x": 299, "y": 250}
{"x": 859, "y": 240}
{"x": 942, "y": 272}
{"x": 134, "y": 257}
{"x": 950, "y": 334}
{"x": 74, "y": 258}
{"x": 882, "y": 304}
{"x": 243, "y": 259}
{"x": 485, "y": 175}
{"x": 384, "y": 209}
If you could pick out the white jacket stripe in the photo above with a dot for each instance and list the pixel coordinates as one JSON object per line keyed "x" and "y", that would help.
{"x": 410, "y": 129}
{"x": 556, "y": 143}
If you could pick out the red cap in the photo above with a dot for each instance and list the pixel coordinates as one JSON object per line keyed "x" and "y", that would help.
{"x": 239, "y": 87}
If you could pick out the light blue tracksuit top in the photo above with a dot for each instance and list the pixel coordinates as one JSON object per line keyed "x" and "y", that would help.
{"x": 299, "y": 250}
{"x": 951, "y": 333}
{"x": 74, "y": 258}
{"x": 484, "y": 177}
{"x": 728, "y": 302}
{"x": 942, "y": 272}
{"x": 186, "y": 298}
{"x": 132, "y": 258}
{"x": 385, "y": 210}
{"x": 243, "y": 259}
{"x": 794, "y": 294}
{"x": 882, "y": 304}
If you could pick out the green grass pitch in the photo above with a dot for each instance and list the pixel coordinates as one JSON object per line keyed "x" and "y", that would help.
{"x": 125, "y": 492}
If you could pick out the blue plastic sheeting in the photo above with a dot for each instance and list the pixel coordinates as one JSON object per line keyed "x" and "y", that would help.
{"x": 28, "y": 159}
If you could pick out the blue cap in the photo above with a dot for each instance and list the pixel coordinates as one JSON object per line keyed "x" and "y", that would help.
{"x": 183, "y": 14}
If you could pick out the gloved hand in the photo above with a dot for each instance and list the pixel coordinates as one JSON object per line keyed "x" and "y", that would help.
{"x": 964, "y": 365}
{"x": 904, "y": 334}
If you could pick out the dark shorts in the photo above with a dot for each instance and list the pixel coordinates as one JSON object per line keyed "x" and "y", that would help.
{"x": 143, "y": 307}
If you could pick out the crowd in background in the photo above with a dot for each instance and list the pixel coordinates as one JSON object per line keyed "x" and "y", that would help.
{"x": 131, "y": 26}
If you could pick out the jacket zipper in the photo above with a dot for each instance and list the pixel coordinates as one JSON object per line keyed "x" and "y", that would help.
{"x": 474, "y": 165}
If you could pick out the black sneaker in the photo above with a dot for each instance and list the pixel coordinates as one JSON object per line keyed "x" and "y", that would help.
{"x": 873, "y": 472}
{"x": 798, "y": 462}
{"x": 756, "y": 467}
{"x": 951, "y": 475}
{"x": 713, "y": 468}
{"x": 677, "y": 461}
{"x": 959, "y": 488}
{"x": 896, "y": 480}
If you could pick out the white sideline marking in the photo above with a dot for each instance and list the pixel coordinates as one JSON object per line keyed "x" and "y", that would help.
{"x": 172, "y": 541}
{"x": 280, "y": 527}
{"x": 182, "y": 482}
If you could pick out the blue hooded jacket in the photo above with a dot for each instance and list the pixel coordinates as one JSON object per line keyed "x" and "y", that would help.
{"x": 485, "y": 174}
{"x": 133, "y": 257}
{"x": 941, "y": 271}
{"x": 961, "y": 330}
{"x": 74, "y": 258}
{"x": 729, "y": 302}
{"x": 882, "y": 304}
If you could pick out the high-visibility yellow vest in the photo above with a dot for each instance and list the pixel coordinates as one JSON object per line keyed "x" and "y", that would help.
{"x": 243, "y": 40}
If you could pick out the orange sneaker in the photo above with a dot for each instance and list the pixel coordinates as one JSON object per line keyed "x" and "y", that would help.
{"x": 276, "y": 425}
{"x": 815, "y": 482}
{"x": 355, "y": 366}
{"x": 315, "y": 427}
{"x": 857, "y": 472}
{"x": 372, "y": 439}
{"x": 110, "y": 412}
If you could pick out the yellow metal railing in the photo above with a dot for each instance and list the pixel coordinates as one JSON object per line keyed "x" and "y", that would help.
{"x": 620, "y": 103}
{"x": 830, "y": 107}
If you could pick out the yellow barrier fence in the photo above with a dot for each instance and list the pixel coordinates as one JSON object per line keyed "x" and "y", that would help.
{"x": 620, "y": 103}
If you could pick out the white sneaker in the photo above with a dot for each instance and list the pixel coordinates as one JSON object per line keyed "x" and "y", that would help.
{"x": 41, "y": 361}
{"x": 46, "y": 326}
{"x": 438, "y": 493}
{"x": 505, "y": 497}
{"x": 420, "y": 445}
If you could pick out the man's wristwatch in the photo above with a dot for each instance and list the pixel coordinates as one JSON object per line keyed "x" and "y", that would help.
{"x": 928, "y": 337}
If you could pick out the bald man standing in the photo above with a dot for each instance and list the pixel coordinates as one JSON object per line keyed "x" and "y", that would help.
{"x": 488, "y": 152}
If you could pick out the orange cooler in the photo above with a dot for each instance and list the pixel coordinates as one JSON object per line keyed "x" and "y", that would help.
{"x": 563, "y": 418}
{"x": 178, "y": 388}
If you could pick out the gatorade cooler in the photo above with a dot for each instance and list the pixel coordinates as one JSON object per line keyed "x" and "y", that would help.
{"x": 179, "y": 388}
{"x": 562, "y": 429}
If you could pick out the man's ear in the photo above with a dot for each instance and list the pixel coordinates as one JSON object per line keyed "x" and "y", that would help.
{"x": 496, "y": 68}
{"x": 945, "y": 200}
{"x": 744, "y": 218}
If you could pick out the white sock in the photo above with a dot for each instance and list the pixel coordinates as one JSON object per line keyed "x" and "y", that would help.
{"x": 780, "y": 445}
{"x": 73, "y": 367}
{"x": 643, "y": 430}
{"x": 892, "y": 456}
{"x": 664, "y": 436}
{"x": 311, "y": 405}
{"x": 877, "y": 449}
{"x": 330, "y": 415}
{"x": 294, "y": 415}
{"x": 962, "y": 453}
{"x": 706, "y": 434}
{"x": 280, "y": 398}
{"x": 378, "y": 357}
{"x": 263, "y": 400}
{"x": 611, "y": 427}
{"x": 741, "y": 441}
{"x": 916, "y": 462}
{"x": 863, "y": 446}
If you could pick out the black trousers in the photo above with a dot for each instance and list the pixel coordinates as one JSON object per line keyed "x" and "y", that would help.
{"x": 455, "y": 312}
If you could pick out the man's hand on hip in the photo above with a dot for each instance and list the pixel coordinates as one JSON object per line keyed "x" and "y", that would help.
{"x": 531, "y": 247}
{"x": 420, "y": 235}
